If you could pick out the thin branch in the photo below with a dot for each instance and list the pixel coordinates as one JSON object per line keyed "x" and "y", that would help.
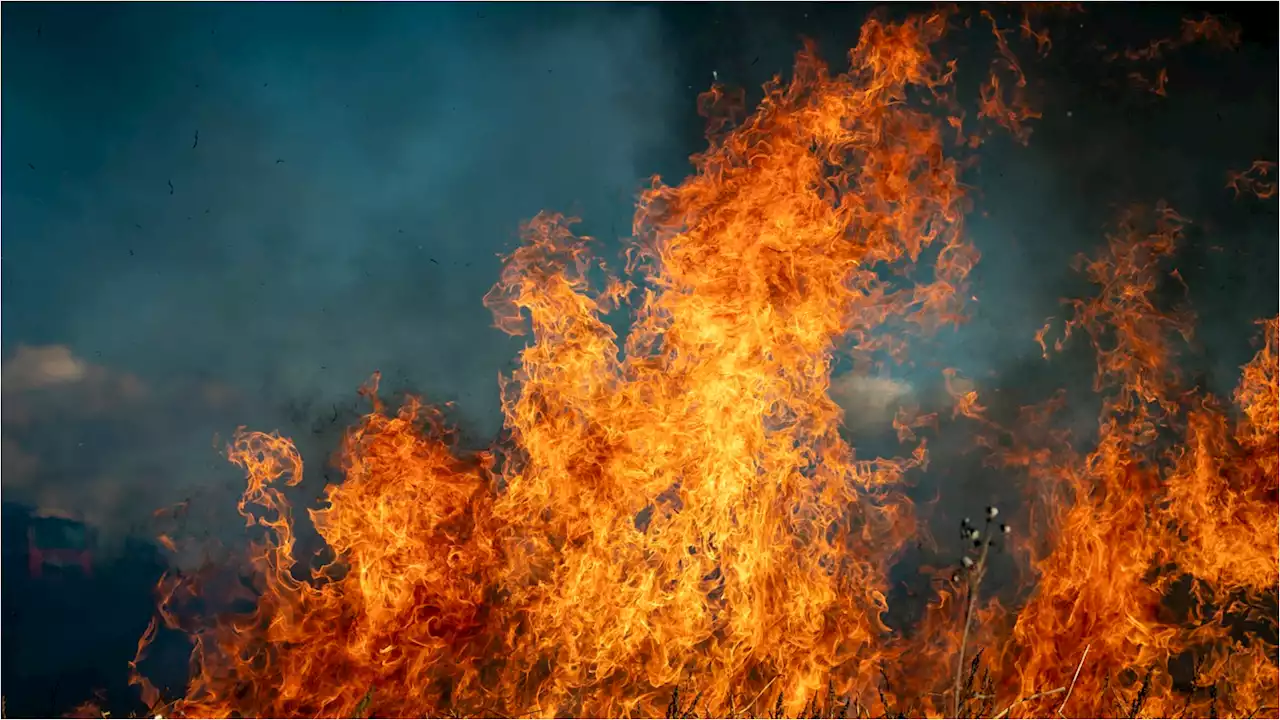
{"x": 1029, "y": 698}
{"x": 1083, "y": 655}
{"x": 1142, "y": 695}
{"x": 768, "y": 685}
{"x": 975, "y": 579}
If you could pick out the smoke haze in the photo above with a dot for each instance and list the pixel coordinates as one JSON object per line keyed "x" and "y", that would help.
{"x": 233, "y": 214}
{"x": 259, "y": 207}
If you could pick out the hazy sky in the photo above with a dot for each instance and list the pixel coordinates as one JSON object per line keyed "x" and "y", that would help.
{"x": 223, "y": 214}
{"x": 359, "y": 167}
{"x": 276, "y": 200}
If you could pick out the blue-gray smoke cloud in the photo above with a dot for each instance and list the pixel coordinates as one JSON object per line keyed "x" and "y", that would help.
{"x": 278, "y": 200}
{"x": 248, "y": 209}
{"x": 359, "y": 167}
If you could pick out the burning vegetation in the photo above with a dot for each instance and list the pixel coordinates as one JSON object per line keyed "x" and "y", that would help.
{"x": 676, "y": 525}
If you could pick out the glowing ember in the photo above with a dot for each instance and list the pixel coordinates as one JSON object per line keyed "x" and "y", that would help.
{"x": 683, "y": 513}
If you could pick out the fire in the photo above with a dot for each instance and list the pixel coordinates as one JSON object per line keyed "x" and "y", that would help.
{"x": 677, "y": 515}
{"x": 1208, "y": 30}
{"x": 1011, "y": 114}
{"x": 1257, "y": 180}
{"x": 1135, "y": 519}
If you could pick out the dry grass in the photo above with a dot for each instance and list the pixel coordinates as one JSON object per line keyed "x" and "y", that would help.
{"x": 968, "y": 697}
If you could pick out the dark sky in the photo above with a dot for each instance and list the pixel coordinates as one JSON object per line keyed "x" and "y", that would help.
{"x": 358, "y": 169}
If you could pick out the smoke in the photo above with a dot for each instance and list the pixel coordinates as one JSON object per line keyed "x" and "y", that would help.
{"x": 218, "y": 215}
{"x": 241, "y": 212}
{"x": 1100, "y": 147}
{"x": 869, "y": 402}
{"x": 74, "y": 434}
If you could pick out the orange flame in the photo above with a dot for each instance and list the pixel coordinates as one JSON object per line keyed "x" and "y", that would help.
{"x": 1209, "y": 29}
{"x": 1013, "y": 113}
{"x": 1132, "y": 526}
{"x": 1258, "y": 180}
{"x": 678, "y": 514}
{"x": 761, "y": 563}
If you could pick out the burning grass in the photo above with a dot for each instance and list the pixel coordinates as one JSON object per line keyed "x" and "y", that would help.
{"x": 519, "y": 581}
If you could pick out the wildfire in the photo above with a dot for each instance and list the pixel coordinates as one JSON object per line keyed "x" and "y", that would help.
{"x": 677, "y": 514}
{"x": 1155, "y": 543}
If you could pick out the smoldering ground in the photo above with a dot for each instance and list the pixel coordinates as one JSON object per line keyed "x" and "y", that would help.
{"x": 232, "y": 215}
